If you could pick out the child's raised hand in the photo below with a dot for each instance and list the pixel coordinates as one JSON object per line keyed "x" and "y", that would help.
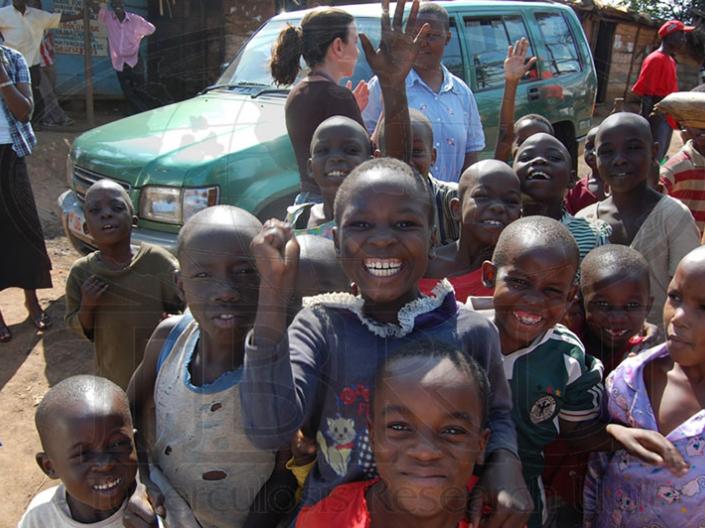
{"x": 516, "y": 65}
{"x": 276, "y": 253}
{"x": 649, "y": 446}
{"x": 143, "y": 507}
{"x": 91, "y": 291}
{"x": 361, "y": 93}
{"x": 397, "y": 47}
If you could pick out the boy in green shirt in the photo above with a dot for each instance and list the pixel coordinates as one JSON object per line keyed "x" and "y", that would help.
{"x": 116, "y": 296}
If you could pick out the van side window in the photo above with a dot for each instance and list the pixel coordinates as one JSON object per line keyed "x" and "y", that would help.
{"x": 488, "y": 39}
{"x": 562, "y": 51}
{"x": 452, "y": 56}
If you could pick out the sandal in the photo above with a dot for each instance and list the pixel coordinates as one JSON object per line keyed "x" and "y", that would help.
{"x": 5, "y": 334}
{"x": 42, "y": 322}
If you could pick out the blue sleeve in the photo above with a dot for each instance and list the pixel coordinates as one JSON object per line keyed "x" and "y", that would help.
{"x": 475, "y": 140}
{"x": 372, "y": 111}
{"x": 503, "y": 431}
{"x": 279, "y": 382}
{"x": 21, "y": 70}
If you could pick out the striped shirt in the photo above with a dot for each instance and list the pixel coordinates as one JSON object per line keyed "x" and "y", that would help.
{"x": 587, "y": 233}
{"x": 552, "y": 379}
{"x": 683, "y": 177}
{"x": 22, "y": 134}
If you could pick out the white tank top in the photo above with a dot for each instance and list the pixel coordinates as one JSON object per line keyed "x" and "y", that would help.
{"x": 200, "y": 444}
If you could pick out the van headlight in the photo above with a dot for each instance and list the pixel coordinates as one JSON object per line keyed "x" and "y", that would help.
{"x": 174, "y": 205}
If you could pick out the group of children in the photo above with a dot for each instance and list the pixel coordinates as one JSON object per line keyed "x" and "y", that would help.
{"x": 348, "y": 368}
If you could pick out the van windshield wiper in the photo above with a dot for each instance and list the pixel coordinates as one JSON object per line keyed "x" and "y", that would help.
{"x": 231, "y": 86}
{"x": 271, "y": 91}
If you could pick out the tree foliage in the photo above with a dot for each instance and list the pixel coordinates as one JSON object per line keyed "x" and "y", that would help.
{"x": 686, "y": 10}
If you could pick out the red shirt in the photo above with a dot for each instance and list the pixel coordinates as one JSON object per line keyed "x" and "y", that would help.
{"x": 657, "y": 76}
{"x": 346, "y": 507}
{"x": 579, "y": 197}
{"x": 465, "y": 286}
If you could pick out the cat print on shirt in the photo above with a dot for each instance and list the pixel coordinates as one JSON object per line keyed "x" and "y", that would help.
{"x": 341, "y": 432}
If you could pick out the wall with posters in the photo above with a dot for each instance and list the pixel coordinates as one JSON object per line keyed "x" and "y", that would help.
{"x": 68, "y": 48}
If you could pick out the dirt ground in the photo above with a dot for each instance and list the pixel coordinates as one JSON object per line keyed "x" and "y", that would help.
{"x": 32, "y": 362}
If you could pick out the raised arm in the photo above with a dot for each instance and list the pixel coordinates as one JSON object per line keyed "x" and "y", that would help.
{"x": 391, "y": 63}
{"x": 515, "y": 67}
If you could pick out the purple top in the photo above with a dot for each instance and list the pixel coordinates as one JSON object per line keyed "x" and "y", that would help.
{"x": 623, "y": 492}
{"x": 124, "y": 37}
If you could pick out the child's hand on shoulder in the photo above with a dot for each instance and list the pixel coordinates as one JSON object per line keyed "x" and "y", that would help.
{"x": 143, "y": 507}
{"x": 276, "y": 253}
{"x": 92, "y": 290}
{"x": 649, "y": 446}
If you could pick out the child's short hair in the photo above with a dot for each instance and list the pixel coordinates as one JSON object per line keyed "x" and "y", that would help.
{"x": 344, "y": 191}
{"x": 436, "y": 350}
{"x": 343, "y": 120}
{"x": 539, "y": 230}
{"x": 241, "y": 221}
{"x": 539, "y": 119}
{"x": 73, "y": 390}
{"x": 416, "y": 117}
{"x": 107, "y": 183}
{"x": 615, "y": 259}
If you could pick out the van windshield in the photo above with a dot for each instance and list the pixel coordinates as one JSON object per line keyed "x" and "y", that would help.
{"x": 250, "y": 69}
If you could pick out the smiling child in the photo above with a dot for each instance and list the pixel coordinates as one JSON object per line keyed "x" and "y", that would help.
{"x": 657, "y": 226}
{"x": 615, "y": 289}
{"x": 489, "y": 200}
{"x": 187, "y": 389}
{"x": 661, "y": 391}
{"x": 543, "y": 166}
{"x": 85, "y": 427}
{"x": 117, "y": 295}
{"x": 428, "y": 430}
{"x": 533, "y": 271}
{"x": 322, "y": 369}
{"x": 339, "y": 145}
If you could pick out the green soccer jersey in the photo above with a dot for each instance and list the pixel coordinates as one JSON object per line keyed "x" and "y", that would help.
{"x": 552, "y": 379}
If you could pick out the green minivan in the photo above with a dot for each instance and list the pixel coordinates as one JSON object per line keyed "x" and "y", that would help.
{"x": 229, "y": 145}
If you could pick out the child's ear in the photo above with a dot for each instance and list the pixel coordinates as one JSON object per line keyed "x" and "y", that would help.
{"x": 489, "y": 274}
{"x": 308, "y": 168}
{"x": 455, "y": 209}
{"x": 86, "y": 231}
{"x": 434, "y": 154}
{"x": 46, "y": 465}
{"x": 135, "y": 220}
{"x": 447, "y": 38}
{"x": 334, "y": 232}
{"x": 654, "y": 151}
{"x": 572, "y": 180}
{"x": 377, "y": 153}
{"x": 483, "y": 438}
{"x": 179, "y": 285}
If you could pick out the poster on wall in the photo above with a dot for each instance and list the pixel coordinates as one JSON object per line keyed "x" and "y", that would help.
{"x": 68, "y": 38}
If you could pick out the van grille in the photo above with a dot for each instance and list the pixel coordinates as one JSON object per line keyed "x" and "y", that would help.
{"x": 84, "y": 178}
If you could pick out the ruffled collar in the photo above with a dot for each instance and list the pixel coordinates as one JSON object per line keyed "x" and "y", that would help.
{"x": 442, "y": 296}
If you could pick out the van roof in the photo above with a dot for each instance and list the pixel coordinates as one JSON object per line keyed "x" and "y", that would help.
{"x": 374, "y": 9}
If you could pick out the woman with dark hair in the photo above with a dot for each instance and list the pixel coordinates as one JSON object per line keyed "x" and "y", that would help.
{"x": 327, "y": 41}
{"x": 24, "y": 263}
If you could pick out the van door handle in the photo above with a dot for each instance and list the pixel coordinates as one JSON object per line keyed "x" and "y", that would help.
{"x": 534, "y": 94}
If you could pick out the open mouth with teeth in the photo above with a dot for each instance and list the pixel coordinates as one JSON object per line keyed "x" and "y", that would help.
{"x": 383, "y": 267}
{"x": 107, "y": 485}
{"x": 493, "y": 224}
{"x": 538, "y": 176}
{"x": 337, "y": 174}
{"x": 527, "y": 318}
{"x": 109, "y": 227}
